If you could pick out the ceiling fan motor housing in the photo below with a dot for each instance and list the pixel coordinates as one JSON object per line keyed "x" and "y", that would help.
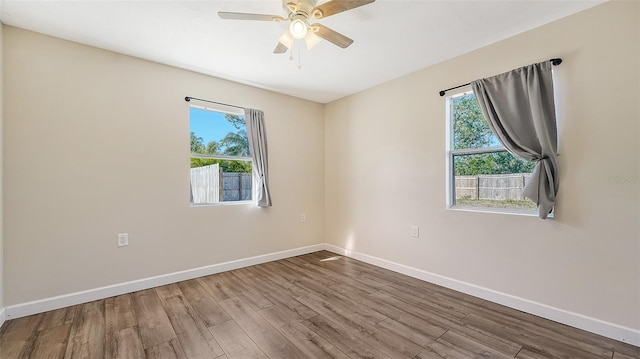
{"x": 299, "y": 8}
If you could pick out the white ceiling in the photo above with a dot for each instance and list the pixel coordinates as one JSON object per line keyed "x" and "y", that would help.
{"x": 392, "y": 37}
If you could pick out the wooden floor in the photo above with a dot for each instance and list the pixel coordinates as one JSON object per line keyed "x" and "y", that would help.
{"x": 313, "y": 306}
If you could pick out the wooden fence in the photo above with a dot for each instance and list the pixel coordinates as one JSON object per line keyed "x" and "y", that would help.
{"x": 236, "y": 186}
{"x": 206, "y": 186}
{"x": 498, "y": 187}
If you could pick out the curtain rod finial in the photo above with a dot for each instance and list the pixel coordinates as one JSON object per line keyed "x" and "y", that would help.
{"x": 187, "y": 98}
{"x": 556, "y": 62}
{"x": 442, "y": 93}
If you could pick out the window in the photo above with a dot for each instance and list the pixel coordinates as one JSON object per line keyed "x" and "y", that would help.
{"x": 481, "y": 173}
{"x": 221, "y": 166}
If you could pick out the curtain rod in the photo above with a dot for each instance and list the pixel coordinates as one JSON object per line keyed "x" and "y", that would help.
{"x": 555, "y": 62}
{"x": 189, "y": 98}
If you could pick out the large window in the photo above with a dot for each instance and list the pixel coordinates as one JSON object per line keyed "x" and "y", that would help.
{"x": 481, "y": 173}
{"x": 221, "y": 166}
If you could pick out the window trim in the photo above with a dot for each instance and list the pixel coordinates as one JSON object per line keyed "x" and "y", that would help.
{"x": 450, "y": 155}
{"x": 222, "y": 157}
{"x": 220, "y": 108}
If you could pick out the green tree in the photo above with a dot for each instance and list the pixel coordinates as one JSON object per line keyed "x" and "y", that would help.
{"x": 469, "y": 127}
{"x": 236, "y": 166}
{"x": 213, "y": 148}
{"x": 470, "y": 165}
{"x": 236, "y": 144}
{"x": 509, "y": 163}
{"x": 226, "y": 165}
{"x": 236, "y": 121}
{"x": 201, "y": 162}
{"x": 197, "y": 144}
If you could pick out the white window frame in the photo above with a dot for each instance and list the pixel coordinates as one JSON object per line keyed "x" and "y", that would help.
{"x": 450, "y": 155}
{"x": 232, "y": 111}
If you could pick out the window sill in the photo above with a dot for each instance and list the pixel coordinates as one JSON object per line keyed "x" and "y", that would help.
{"x": 222, "y": 204}
{"x": 516, "y": 212}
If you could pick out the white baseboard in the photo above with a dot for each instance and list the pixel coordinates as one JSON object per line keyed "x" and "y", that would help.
{"x": 609, "y": 330}
{"x": 39, "y": 306}
{"x": 3, "y": 316}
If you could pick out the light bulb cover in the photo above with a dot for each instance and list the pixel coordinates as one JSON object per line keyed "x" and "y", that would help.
{"x": 312, "y": 40}
{"x": 286, "y": 39}
{"x": 298, "y": 29}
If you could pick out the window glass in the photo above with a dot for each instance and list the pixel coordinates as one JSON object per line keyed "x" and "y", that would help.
{"x": 482, "y": 174}
{"x": 221, "y": 166}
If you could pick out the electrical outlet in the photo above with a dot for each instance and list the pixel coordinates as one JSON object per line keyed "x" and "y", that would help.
{"x": 123, "y": 239}
{"x": 415, "y": 231}
{"x": 303, "y": 218}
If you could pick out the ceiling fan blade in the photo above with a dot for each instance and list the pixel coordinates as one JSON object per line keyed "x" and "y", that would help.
{"x": 280, "y": 49}
{"x": 336, "y": 6}
{"x": 245, "y": 16}
{"x": 333, "y": 37}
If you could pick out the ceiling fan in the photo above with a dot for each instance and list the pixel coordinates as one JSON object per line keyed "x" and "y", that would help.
{"x": 299, "y": 12}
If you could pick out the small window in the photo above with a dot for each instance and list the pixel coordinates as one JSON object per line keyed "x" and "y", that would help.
{"x": 221, "y": 165}
{"x": 482, "y": 175}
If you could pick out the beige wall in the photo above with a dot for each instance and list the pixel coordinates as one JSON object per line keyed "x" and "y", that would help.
{"x": 97, "y": 143}
{"x": 385, "y": 170}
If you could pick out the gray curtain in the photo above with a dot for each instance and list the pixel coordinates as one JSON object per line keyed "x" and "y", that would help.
{"x": 520, "y": 110}
{"x": 257, "y": 134}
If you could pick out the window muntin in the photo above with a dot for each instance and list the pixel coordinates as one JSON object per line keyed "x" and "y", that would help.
{"x": 220, "y": 161}
{"x": 482, "y": 175}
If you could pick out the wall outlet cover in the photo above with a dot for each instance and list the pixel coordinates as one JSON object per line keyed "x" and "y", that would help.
{"x": 123, "y": 239}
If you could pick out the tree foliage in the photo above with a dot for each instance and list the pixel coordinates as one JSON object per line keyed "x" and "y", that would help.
{"x": 197, "y": 145}
{"x": 470, "y": 130}
{"x": 236, "y": 121}
{"x": 226, "y": 165}
{"x": 236, "y": 144}
{"x": 490, "y": 163}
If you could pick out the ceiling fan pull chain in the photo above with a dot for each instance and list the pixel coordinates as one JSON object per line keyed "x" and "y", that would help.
{"x": 299, "y": 60}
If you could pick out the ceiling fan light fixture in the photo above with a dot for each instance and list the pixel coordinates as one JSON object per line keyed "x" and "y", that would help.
{"x": 298, "y": 29}
{"x": 312, "y": 40}
{"x": 286, "y": 39}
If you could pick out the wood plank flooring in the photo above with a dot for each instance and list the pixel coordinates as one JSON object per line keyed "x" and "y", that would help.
{"x": 313, "y": 306}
